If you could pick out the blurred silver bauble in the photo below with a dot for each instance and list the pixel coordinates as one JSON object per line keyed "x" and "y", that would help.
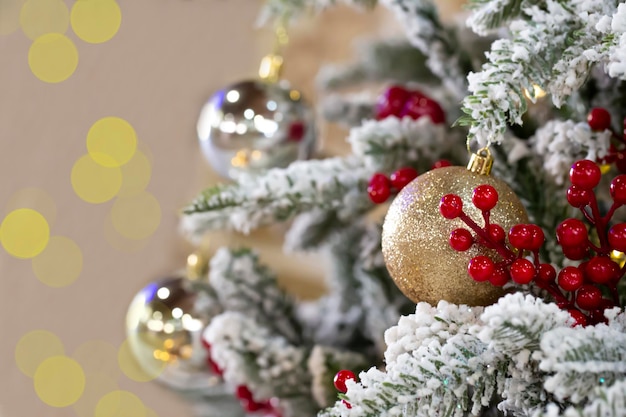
{"x": 255, "y": 125}
{"x": 164, "y": 325}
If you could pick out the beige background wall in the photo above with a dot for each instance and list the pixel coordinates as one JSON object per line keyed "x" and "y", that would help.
{"x": 166, "y": 59}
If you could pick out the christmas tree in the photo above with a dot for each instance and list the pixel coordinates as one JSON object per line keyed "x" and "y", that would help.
{"x": 515, "y": 315}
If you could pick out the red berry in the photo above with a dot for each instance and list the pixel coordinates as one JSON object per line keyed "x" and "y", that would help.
{"x": 537, "y": 237}
{"x": 578, "y": 197}
{"x": 571, "y": 232}
{"x": 419, "y": 105}
{"x": 599, "y": 119}
{"x": 496, "y": 233}
{"x": 618, "y": 189}
{"x": 392, "y": 102}
{"x": 597, "y": 316}
{"x": 601, "y": 269}
{"x": 522, "y": 271}
{"x": 243, "y": 393}
{"x": 214, "y": 367}
{"x": 570, "y": 278}
{"x": 546, "y": 273}
{"x": 499, "y": 277}
{"x": 461, "y": 240}
{"x": 480, "y": 268}
{"x": 341, "y": 378}
{"x": 589, "y": 297}
{"x": 526, "y": 236}
{"x": 379, "y": 188}
{"x": 617, "y": 237}
{"x": 347, "y": 404}
{"x": 579, "y": 318}
{"x": 585, "y": 174}
{"x": 451, "y": 206}
{"x": 575, "y": 253}
{"x": 485, "y": 197}
{"x": 620, "y": 161}
{"x": 402, "y": 177}
{"x": 441, "y": 164}
{"x": 253, "y": 406}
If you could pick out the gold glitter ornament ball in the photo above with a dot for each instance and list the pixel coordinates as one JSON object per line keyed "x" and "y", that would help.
{"x": 415, "y": 237}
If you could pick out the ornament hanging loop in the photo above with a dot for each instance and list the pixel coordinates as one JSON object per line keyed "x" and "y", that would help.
{"x": 481, "y": 162}
{"x": 272, "y": 64}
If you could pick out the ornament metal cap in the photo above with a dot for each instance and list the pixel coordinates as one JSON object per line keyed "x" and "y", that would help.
{"x": 270, "y": 68}
{"x": 481, "y": 162}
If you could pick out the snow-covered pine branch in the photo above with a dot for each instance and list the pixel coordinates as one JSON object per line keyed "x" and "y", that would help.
{"x": 608, "y": 401}
{"x": 580, "y": 359}
{"x": 266, "y": 363}
{"x": 378, "y": 60}
{"x": 384, "y": 145}
{"x": 445, "y": 57}
{"x": 431, "y": 356}
{"x": 337, "y": 184}
{"x": 563, "y": 142}
{"x": 323, "y": 363}
{"x": 488, "y": 15}
{"x": 278, "y": 195}
{"x": 243, "y": 285}
{"x": 285, "y": 9}
{"x": 554, "y": 46}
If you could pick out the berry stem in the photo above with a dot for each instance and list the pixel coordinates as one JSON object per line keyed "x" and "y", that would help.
{"x": 553, "y": 290}
{"x": 611, "y": 211}
{"x": 614, "y": 294}
{"x": 588, "y": 216}
{"x": 600, "y": 224}
{"x": 502, "y": 250}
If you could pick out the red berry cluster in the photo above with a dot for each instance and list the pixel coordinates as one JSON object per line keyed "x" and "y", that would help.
{"x": 243, "y": 393}
{"x": 340, "y": 380}
{"x": 380, "y": 186}
{"x": 213, "y": 367}
{"x": 400, "y": 102}
{"x": 599, "y": 119}
{"x": 578, "y": 289}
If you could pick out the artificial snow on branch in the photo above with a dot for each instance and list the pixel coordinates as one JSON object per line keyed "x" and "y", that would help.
{"x": 266, "y": 363}
{"x": 282, "y": 9}
{"x": 563, "y": 142}
{"x": 337, "y": 184}
{"x": 243, "y": 285}
{"x": 445, "y": 58}
{"x": 553, "y": 47}
{"x": 381, "y": 60}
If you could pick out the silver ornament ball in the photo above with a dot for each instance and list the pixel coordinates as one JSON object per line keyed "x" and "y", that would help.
{"x": 164, "y": 325}
{"x": 255, "y": 125}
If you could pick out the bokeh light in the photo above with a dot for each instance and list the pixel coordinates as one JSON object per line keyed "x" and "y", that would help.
{"x": 53, "y": 57}
{"x": 131, "y": 368}
{"x": 59, "y": 381}
{"x": 60, "y": 263}
{"x": 39, "y": 17}
{"x": 111, "y": 141}
{"x": 10, "y": 16}
{"x": 93, "y": 182}
{"x": 96, "y": 21}
{"x": 97, "y": 357}
{"x": 97, "y": 385}
{"x": 136, "y": 216}
{"x": 135, "y": 174}
{"x": 35, "y": 347}
{"x": 119, "y": 242}
{"x": 120, "y": 404}
{"x": 33, "y": 198}
{"x": 24, "y": 233}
